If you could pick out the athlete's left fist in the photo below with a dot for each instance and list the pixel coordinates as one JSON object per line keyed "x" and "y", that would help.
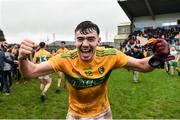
{"x": 161, "y": 48}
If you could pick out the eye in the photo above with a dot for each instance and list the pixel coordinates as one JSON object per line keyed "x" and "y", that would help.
{"x": 91, "y": 39}
{"x": 80, "y": 39}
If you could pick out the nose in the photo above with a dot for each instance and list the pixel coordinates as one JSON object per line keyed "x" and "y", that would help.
{"x": 85, "y": 43}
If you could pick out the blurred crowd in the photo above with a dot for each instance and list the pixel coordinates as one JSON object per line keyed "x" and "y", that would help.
{"x": 135, "y": 48}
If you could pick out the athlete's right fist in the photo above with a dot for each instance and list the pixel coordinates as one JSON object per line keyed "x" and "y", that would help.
{"x": 26, "y": 48}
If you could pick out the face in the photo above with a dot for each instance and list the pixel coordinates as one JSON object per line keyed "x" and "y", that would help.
{"x": 86, "y": 44}
{"x": 62, "y": 45}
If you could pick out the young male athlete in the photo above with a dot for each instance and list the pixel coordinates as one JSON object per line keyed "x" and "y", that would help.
{"x": 45, "y": 81}
{"x": 87, "y": 70}
{"x": 61, "y": 50}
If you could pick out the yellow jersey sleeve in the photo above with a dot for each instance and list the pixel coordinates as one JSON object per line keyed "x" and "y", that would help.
{"x": 63, "y": 62}
{"x": 111, "y": 57}
{"x": 57, "y": 62}
{"x": 121, "y": 59}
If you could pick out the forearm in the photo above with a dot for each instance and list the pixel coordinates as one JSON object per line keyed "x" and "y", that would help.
{"x": 144, "y": 63}
{"x": 26, "y": 68}
{"x": 31, "y": 70}
{"x": 139, "y": 64}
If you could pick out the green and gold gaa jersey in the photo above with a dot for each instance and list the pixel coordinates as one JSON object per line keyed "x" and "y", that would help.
{"x": 42, "y": 55}
{"x": 87, "y": 81}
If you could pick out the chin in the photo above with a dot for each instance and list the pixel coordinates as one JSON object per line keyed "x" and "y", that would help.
{"x": 86, "y": 59}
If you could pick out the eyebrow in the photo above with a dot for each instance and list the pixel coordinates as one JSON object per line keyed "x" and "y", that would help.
{"x": 86, "y": 37}
{"x": 91, "y": 37}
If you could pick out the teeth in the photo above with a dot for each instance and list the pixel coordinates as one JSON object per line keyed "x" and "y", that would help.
{"x": 85, "y": 50}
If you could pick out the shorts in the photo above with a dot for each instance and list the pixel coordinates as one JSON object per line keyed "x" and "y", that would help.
{"x": 44, "y": 77}
{"x": 173, "y": 63}
{"x": 107, "y": 115}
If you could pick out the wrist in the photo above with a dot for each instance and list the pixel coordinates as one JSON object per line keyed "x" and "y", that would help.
{"x": 22, "y": 58}
{"x": 156, "y": 62}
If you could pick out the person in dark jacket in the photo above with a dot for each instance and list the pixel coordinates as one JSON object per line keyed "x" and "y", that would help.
{"x": 7, "y": 70}
{"x": 2, "y": 58}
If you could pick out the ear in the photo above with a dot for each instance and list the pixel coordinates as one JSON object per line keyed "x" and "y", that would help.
{"x": 99, "y": 41}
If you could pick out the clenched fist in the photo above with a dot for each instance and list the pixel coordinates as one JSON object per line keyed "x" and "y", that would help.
{"x": 26, "y": 48}
{"x": 161, "y": 51}
{"x": 161, "y": 48}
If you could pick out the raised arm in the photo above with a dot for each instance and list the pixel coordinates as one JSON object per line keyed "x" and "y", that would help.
{"x": 141, "y": 65}
{"x": 161, "y": 52}
{"x": 27, "y": 68}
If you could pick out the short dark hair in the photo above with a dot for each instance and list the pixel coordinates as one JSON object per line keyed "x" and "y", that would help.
{"x": 86, "y": 27}
{"x": 2, "y": 38}
{"x": 42, "y": 44}
{"x": 63, "y": 42}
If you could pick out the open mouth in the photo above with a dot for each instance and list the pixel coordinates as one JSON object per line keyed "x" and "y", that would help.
{"x": 86, "y": 53}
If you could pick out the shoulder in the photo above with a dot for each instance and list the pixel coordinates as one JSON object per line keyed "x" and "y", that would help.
{"x": 100, "y": 51}
{"x": 72, "y": 54}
